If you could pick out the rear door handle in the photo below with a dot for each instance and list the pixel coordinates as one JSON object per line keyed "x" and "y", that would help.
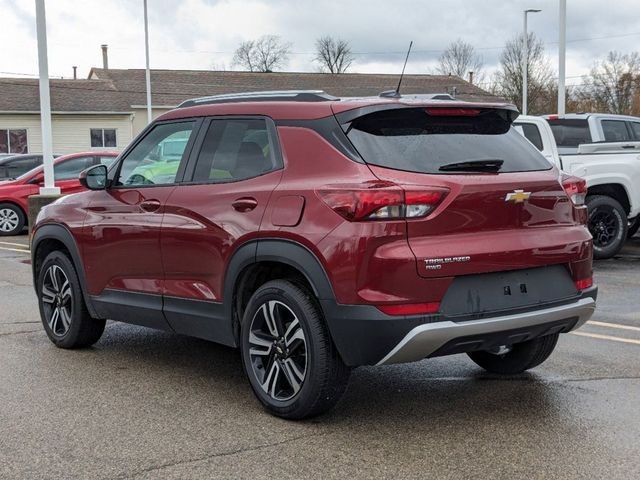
{"x": 150, "y": 205}
{"x": 245, "y": 204}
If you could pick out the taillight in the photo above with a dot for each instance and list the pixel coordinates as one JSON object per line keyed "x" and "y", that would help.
{"x": 576, "y": 188}
{"x": 410, "y": 309}
{"x": 380, "y": 200}
{"x": 584, "y": 283}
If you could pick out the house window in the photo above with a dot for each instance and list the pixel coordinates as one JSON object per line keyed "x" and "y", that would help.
{"x": 13, "y": 140}
{"x": 103, "y": 137}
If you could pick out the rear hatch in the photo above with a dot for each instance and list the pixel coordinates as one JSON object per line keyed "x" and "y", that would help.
{"x": 504, "y": 204}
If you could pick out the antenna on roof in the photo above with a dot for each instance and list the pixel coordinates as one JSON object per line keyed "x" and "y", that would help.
{"x": 396, "y": 93}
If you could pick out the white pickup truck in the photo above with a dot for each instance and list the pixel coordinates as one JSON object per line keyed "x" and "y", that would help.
{"x": 604, "y": 150}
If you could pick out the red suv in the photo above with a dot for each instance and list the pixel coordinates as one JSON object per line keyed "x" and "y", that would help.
{"x": 319, "y": 234}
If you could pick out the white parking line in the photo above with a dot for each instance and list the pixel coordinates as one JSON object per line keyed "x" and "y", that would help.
{"x": 15, "y": 250}
{"x": 14, "y": 244}
{"x": 613, "y": 325}
{"x": 607, "y": 337}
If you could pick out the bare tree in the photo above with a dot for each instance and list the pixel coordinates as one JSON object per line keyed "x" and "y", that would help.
{"x": 333, "y": 55}
{"x": 266, "y": 54}
{"x": 613, "y": 85}
{"x": 460, "y": 58}
{"x": 541, "y": 82}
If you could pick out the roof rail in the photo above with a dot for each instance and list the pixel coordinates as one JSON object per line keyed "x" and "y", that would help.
{"x": 269, "y": 96}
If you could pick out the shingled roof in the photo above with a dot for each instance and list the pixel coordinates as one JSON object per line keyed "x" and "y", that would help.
{"x": 23, "y": 95}
{"x": 117, "y": 90}
{"x": 171, "y": 87}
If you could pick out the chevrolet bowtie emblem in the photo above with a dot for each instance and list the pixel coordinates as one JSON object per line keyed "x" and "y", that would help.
{"x": 517, "y": 196}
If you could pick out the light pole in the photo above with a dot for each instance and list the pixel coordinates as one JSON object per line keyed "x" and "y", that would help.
{"x": 45, "y": 104}
{"x": 525, "y": 59}
{"x": 562, "y": 48}
{"x": 147, "y": 71}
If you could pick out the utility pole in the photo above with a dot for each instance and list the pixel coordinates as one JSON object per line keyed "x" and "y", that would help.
{"x": 45, "y": 102}
{"x": 562, "y": 48}
{"x": 147, "y": 72}
{"x": 525, "y": 60}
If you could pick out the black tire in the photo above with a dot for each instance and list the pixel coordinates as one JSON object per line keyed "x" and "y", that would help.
{"x": 633, "y": 227}
{"x": 72, "y": 327}
{"x": 608, "y": 225}
{"x": 12, "y": 219}
{"x": 310, "y": 358}
{"x": 522, "y": 356}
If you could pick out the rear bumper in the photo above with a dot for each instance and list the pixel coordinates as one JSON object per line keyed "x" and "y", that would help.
{"x": 365, "y": 336}
{"x": 449, "y": 337}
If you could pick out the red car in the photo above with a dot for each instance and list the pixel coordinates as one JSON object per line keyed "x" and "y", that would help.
{"x": 14, "y": 193}
{"x": 318, "y": 234}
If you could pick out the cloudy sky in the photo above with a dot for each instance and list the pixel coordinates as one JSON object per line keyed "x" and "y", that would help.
{"x": 202, "y": 34}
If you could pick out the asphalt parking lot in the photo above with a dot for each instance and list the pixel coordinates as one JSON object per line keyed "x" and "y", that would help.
{"x": 147, "y": 404}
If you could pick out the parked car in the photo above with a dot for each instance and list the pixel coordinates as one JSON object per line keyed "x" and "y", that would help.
{"x": 12, "y": 166}
{"x": 611, "y": 169}
{"x": 14, "y": 193}
{"x": 319, "y": 234}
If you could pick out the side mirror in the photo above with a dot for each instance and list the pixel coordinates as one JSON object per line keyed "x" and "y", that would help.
{"x": 94, "y": 178}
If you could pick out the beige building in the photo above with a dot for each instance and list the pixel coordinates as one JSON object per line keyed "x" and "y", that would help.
{"x": 108, "y": 109}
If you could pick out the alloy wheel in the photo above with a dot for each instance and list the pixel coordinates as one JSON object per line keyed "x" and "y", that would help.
{"x": 9, "y": 220}
{"x": 603, "y": 225}
{"x": 278, "y": 350}
{"x": 57, "y": 299}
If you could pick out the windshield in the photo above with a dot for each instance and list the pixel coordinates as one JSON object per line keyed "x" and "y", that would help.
{"x": 70, "y": 168}
{"x": 30, "y": 173}
{"x": 411, "y": 139}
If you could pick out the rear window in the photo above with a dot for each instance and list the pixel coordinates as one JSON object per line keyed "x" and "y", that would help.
{"x": 413, "y": 140}
{"x": 570, "y": 132}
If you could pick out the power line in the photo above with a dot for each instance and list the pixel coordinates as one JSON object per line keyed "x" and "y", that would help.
{"x": 20, "y": 74}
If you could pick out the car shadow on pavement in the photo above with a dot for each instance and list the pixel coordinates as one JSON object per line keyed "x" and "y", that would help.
{"x": 436, "y": 389}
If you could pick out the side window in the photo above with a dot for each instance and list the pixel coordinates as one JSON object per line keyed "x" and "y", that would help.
{"x": 70, "y": 169}
{"x": 18, "y": 167}
{"x": 615, "y": 131}
{"x": 235, "y": 150}
{"x": 156, "y": 158}
{"x": 635, "y": 128}
{"x": 531, "y": 133}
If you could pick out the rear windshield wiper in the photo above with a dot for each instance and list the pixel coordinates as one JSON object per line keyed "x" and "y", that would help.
{"x": 473, "y": 166}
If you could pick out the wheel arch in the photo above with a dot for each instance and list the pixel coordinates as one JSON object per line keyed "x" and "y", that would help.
{"x": 616, "y": 191}
{"x": 51, "y": 237}
{"x": 285, "y": 258}
{"x": 15, "y": 204}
